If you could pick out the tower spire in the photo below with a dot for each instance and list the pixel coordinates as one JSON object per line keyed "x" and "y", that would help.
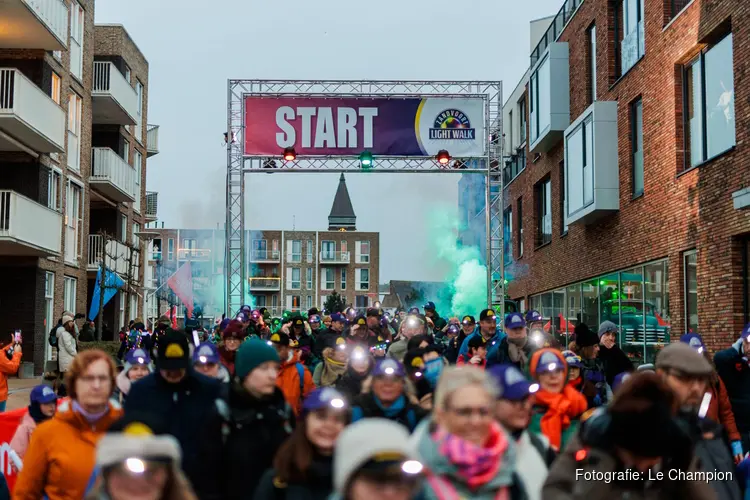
{"x": 342, "y": 212}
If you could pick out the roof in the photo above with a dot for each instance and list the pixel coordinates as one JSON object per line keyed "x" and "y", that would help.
{"x": 342, "y": 212}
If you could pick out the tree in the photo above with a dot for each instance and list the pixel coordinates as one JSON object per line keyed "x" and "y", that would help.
{"x": 334, "y": 303}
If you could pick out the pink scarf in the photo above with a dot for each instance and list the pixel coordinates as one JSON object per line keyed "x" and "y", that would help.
{"x": 478, "y": 465}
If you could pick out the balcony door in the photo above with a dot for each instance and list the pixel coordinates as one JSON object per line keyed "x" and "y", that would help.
{"x": 73, "y": 222}
{"x": 329, "y": 250}
{"x": 260, "y": 248}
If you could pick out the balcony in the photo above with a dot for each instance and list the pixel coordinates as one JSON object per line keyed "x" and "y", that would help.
{"x": 112, "y": 176}
{"x": 194, "y": 254}
{"x": 154, "y": 256}
{"x": 118, "y": 255}
{"x": 29, "y": 118}
{"x": 335, "y": 257}
{"x": 152, "y": 140}
{"x": 592, "y": 179}
{"x": 152, "y": 204}
{"x": 114, "y": 101}
{"x": 28, "y": 228}
{"x": 549, "y": 109}
{"x": 263, "y": 284}
{"x": 34, "y": 24}
{"x": 265, "y": 256}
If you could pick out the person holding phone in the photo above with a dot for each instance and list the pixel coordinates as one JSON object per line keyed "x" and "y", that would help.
{"x": 10, "y": 361}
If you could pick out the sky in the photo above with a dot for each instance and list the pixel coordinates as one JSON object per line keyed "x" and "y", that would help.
{"x": 193, "y": 48}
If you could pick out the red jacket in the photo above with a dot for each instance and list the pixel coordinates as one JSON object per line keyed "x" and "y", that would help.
{"x": 288, "y": 381}
{"x": 463, "y": 359}
{"x": 720, "y": 410}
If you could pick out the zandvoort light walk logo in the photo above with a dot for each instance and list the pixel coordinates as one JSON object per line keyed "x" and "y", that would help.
{"x": 452, "y": 125}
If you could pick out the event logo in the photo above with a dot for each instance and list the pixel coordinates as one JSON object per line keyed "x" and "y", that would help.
{"x": 452, "y": 124}
{"x": 5, "y": 460}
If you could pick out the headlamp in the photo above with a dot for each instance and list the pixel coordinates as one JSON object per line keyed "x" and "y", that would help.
{"x": 358, "y": 354}
{"x": 417, "y": 374}
{"x": 135, "y": 465}
{"x": 412, "y": 467}
{"x": 389, "y": 371}
{"x": 533, "y": 388}
{"x": 269, "y": 342}
{"x": 551, "y": 367}
{"x": 342, "y": 346}
{"x": 203, "y": 359}
{"x": 140, "y": 361}
{"x": 337, "y": 403}
{"x": 537, "y": 337}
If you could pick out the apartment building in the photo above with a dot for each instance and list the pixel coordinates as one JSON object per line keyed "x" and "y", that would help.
{"x": 631, "y": 204}
{"x": 54, "y": 101}
{"x": 292, "y": 270}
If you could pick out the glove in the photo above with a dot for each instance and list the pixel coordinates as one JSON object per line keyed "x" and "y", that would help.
{"x": 736, "y": 448}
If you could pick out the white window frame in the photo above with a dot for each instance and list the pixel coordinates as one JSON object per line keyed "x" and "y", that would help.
{"x": 54, "y": 189}
{"x": 329, "y": 278}
{"x": 310, "y": 246}
{"x": 292, "y": 256}
{"x": 139, "y": 117}
{"x": 359, "y": 284}
{"x": 70, "y": 292}
{"x": 74, "y": 221}
{"x": 75, "y": 112}
{"x": 309, "y": 302}
{"x": 138, "y": 166}
{"x": 170, "y": 248}
{"x": 77, "y": 31}
{"x": 536, "y": 128}
{"x": 309, "y": 278}
{"x": 586, "y": 166}
{"x": 295, "y": 284}
{"x": 124, "y": 227}
{"x": 126, "y": 151}
{"x": 134, "y": 306}
{"x": 592, "y": 65}
{"x": 122, "y": 299}
{"x": 685, "y": 285}
{"x": 361, "y": 257}
{"x": 136, "y": 238}
{"x": 49, "y": 309}
{"x": 56, "y": 90}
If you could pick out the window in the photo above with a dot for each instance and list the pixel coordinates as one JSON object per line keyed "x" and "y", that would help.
{"x": 522, "y": 118}
{"x": 361, "y": 301}
{"x": 293, "y": 278}
{"x": 328, "y": 251}
{"x": 362, "y": 279}
{"x": 540, "y": 104}
{"x": 676, "y": 7}
{"x": 139, "y": 118}
{"x": 74, "y": 131}
{"x": 308, "y": 278}
{"x": 636, "y": 143}
{"x": 329, "y": 281}
{"x": 507, "y": 232}
{"x": 294, "y": 251}
{"x": 127, "y": 74}
{"x": 343, "y": 278}
{"x": 170, "y": 249}
{"x": 260, "y": 249}
{"x": 592, "y": 63}
{"x": 362, "y": 252}
{"x": 56, "y": 87}
{"x": 73, "y": 222}
{"x": 49, "y": 308}
{"x": 54, "y": 181}
{"x": 519, "y": 211}
{"x": 690, "y": 261}
{"x": 510, "y": 130}
{"x": 77, "y": 16}
{"x": 544, "y": 212}
{"x": 293, "y": 302}
{"x": 69, "y": 294}
{"x": 309, "y": 302}
{"x": 632, "y": 44}
{"x": 309, "y": 251}
{"x": 137, "y": 165}
{"x": 579, "y": 160}
{"x": 563, "y": 204}
{"x": 133, "y": 305}
{"x": 274, "y": 303}
{"x": 123, "y": 228}
{"x": 709, "y": 103}
{"x": 136, "y": 238}
{"x": 57, "y": 54}
{"x": 126, "y": 151}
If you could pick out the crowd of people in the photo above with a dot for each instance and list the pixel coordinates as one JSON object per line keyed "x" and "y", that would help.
{"x": 368, "y": 406}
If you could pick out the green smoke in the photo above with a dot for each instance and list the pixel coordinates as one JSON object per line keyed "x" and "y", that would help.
{"x": 466, "y": 278}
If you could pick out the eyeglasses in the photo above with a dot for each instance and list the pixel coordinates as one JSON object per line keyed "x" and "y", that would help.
{"x": 90, "y": 379}
{"x": 468, "y": 411}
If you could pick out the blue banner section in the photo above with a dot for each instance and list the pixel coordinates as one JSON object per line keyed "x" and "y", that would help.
{"x": 112, "y": 283}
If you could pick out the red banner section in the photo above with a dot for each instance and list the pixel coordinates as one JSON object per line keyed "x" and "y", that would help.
{"x": 181, "y": 284}
{"x": 9, "y": 422}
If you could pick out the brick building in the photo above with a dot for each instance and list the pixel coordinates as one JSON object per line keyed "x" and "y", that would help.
{"x": 55, "y": 183}
{"x": 293, "y": 270}
{"x": 630, "y": 203}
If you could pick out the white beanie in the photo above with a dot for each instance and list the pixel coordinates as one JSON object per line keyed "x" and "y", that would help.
{"x": 117, "y": 447}
{"x": 362, "y": 441}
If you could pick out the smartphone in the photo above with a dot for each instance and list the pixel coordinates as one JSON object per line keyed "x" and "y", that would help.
{"x": 17, "y": 338}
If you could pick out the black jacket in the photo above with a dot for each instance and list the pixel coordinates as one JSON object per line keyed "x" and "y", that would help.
{"x": 318, "y": 486}
{"x": 714, "y": 455}
{"x": 257, "y": 429}
{"x": 191, "y": 409}
{"x": 326, "y": 338}
{"x": 350, "y": 384}
{"x": 615, "y": 361}
{"x": 501, "y": 356}
{"x": 735, "y": 373}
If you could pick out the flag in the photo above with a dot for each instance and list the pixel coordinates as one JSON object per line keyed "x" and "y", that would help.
{"x": 181, "y": 284}
{"x": 112, "y": 284}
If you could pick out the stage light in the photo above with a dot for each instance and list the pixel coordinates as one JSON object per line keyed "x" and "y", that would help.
{"x": 365, "y": 159}
{"x": 290, "y": 154}
{"x": 443, "y": 157}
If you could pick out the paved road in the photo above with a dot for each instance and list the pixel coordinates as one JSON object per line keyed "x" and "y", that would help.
{"x": 18, "y": 391}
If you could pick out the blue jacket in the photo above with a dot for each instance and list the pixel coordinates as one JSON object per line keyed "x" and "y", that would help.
{"x": 401, "y": 411}
{"x": 499, "y": 335}
{"x": 735, "y": 373}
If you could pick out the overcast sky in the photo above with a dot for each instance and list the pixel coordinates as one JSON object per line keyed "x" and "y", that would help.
{"x": 194, "y": 47}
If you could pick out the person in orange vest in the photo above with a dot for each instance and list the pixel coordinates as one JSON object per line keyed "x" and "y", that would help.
{"x": 294, "y": 379}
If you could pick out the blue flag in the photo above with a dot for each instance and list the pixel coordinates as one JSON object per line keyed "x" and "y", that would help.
{"x": 112, "y": 284}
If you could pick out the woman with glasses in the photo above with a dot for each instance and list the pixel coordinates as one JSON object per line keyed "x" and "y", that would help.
{"x": 61, "y": 455}
{"x": 467, "y": 453}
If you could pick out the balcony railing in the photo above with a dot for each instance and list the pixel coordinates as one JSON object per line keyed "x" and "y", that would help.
{"x": 34, "y": 24}
{"x": 115, "y": 102}
{"x": 514, "y": 166}
{"x": 152, "y": 140}
{"x": 334, "y": 257}
{"x": 113, "y": 176}
{"x": 263, "y": 283}
{"x": 194, "y": 254}
{"x": 564, "y": 15}
{"x": 265, "y": 256}
{"x": 152, "y": 204}
{"x": 632, "y": 48}
{"x": 118, "y": 255}
{"x": 154, "y": 256}
{"x": 27, "y": 227}
{"x": 29, "y": 115}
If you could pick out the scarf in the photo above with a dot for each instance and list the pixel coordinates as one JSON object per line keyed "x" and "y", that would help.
{"x": 332, "y": 370}
{"x": 518, "y": 354}
{"x": 560, "y": 408}
{"x": 90, "y": 417}
{"x": 477, "y": 465}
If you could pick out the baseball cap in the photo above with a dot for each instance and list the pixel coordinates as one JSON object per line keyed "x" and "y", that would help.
{"x": 620, "y": 379}
{"x": 414, "y": 310}
{"x": 314, "y": 319}
{"x": 488, "y": 314}
{"x": 695, "y": 341}
{"x": 338, "y": 317}
{"x": 324, "y": 397}
{"x": 374, "y": 311}
{"x": 476, "y": 341}
{"x": 514, "y": 386}
{"x": 206, "y": 354}
{"x": 430, "y": 306}
{"x": 174, "y": 352}
{"x": 514, "y": 320}
{"x": 533, "y": 316}
{"x": 388, "y": 367}
{"x": 298, "y": 322}
{"x": 280, "y": 338}
{"x": 682, "y": 357}
{"x": 42, "y": 394}
{"x": 360, "y": 320}
{"x": 468, "y": 320}
{"x": 572, "y": 359}
{"x": 137, "y": 357}
{"x": 547, "y": 360}
{"x": 745, "y": 332}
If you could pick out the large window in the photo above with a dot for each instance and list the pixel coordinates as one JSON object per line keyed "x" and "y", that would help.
{"x": 362, "y": 279}
{"x": 329, "y": 281}
{"x": 77, "y": 17}
{"x": 519, "y": 214}
{"x": 563, "y": 204}
{"x": 592, "y": 63}
{"x": 56, "y": 90}
{"x": 73, "y": 222}
{"x": 260, "y": 249}
{"x": 293, "y": 277}
{"x": 709, "y": 103}
{"x": 70, "y": 291}
{"x": 294, "y": 251}
{"x": 328, "y": 250}
{"x": 343, "y": 278}
{"x": 691, "y": 290}
{"x": 49, "y": 308}
{"x": 54, "y": 182}
{"x": 139, "y": 112}
{"x": 75, "y": 106}
{"x": 579, "y": 160}
{"x": 636, "y": 144}
{"x": 544, "y": 212}
{"x": 507, "y": 235}
{"x": 362, "y": 253}
{"x": 676, "y": 7}
{"x": 540, "y": 105}
{"x": 310, "y": 248}
{"x": 309, "y": 278}
{"x": 632, "y": 44}
{"x": 170, "y": 249}
{"x": 522, "y": 119}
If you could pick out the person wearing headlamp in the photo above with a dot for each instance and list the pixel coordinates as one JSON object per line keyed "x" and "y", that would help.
{"x": 232, "y": 336}
{"x": 206, "y": 361}
{"x": 303, "y": 467}
{"x": 327, "y": 338}
{"x": 587, "y": 346}
{"x": 515, "y": 347}
{"x": 430, "y": 311}
{"x": 333, "y": 366}
{"x": 411, "y": 326}
{"x": 360, "y": 334}
{"x": 377, "y": 324}
{"x": 294, "y": 379}
{"x": 137, "y": 366}
{"x": 358, "y": 370}
{"x": 487, "y": 329}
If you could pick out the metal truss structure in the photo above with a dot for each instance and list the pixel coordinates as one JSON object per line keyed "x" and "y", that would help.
{"x": 490, "y": 164}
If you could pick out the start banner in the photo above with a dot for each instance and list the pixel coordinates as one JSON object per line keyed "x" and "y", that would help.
{"x": 347, "y": 126}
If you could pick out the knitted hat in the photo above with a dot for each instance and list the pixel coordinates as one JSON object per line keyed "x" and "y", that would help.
{"x": 134, "y": 445}
{"x": 174, "y": 351}
{"x": 584, "y": 336}
{"x": 66, "y": 319}
{"x": 607, "y": 327}
{"x": 206, "y": 354}
{"x": 42, "y": 394}
{"x": 371, "y": 439}
{"x": 251, "y": 354}
{"x": 235, "y": 330}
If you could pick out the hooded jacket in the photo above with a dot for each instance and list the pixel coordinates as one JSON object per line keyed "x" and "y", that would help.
{"x": 62, "y": 455}
{"x": 7, "y": 367}
{"x": 288, "y": 381}
{"x": 20, "y": 441}
{"x": 735, "y": 373}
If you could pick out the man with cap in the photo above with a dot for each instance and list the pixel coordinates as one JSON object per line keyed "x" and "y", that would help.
{"x": 359, "y": 334}
{"x": 431, "y": 312}
{"x": 733, "y": 366}
{"x": 294, "y": 379}
{"x": 689, "y": 374}
{"x": 377, "y": 324}
{"x": 513, "y": 411}
{"x": 298, "y": 332}
{"x": 613, "y": 358}
{"x": 206, "y": 361}
{"x": 260, "y": 419}
{"x": 327, "y": 338}
{"x": 387, "y": 397}
{"x": 487, "y": 329}
{"x": 412, "y": 325}
{"x": 374, "y": 459}
{"x": 514, "y": 347}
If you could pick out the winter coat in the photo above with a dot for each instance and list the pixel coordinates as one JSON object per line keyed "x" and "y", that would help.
{"x": 20, "y": 441}
{"x": 452, "y": 347}
{"x": 735, "y": 373}
{"x": 61, "y": 457}
{"x": 401, "y": 411}
{"x": 397, "y": 350}
{"x": 189, "y": 408}
{"x": 714, "y": 454}
{"x": 318, "y": 486}
{"x": 350, "y": 385}
{"x": 257, "y": 429}
{"x": 615, "y": 361}
{"x": 326, "y": 338}
{"x": 67, "y": 349}
{"x": 438, "y": 465}
{"x": 536, "y": 425}
{"x": 465, "y": 359}
{"x": 498, "y": 354}
{"x": 720, "y": 410}
{"x": 495, "y": 340}
{"x": 288, "y": 381}
{"x": 122, "y": 387}
{"x": 7, "y": 367}
{"x": 594, "y": 374}
{"x": 227, "y": 359}
{"x": 531, "y": 464}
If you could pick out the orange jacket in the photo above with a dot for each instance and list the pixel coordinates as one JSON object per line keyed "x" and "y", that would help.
{"x": 289, "y": 383}
{"x": 62, "y": 455}
{"x": 7, "y": 367}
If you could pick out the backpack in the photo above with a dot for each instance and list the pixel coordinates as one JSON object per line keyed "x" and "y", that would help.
{"x": 52, "y": 337}
{"x": 301, "y": 372}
